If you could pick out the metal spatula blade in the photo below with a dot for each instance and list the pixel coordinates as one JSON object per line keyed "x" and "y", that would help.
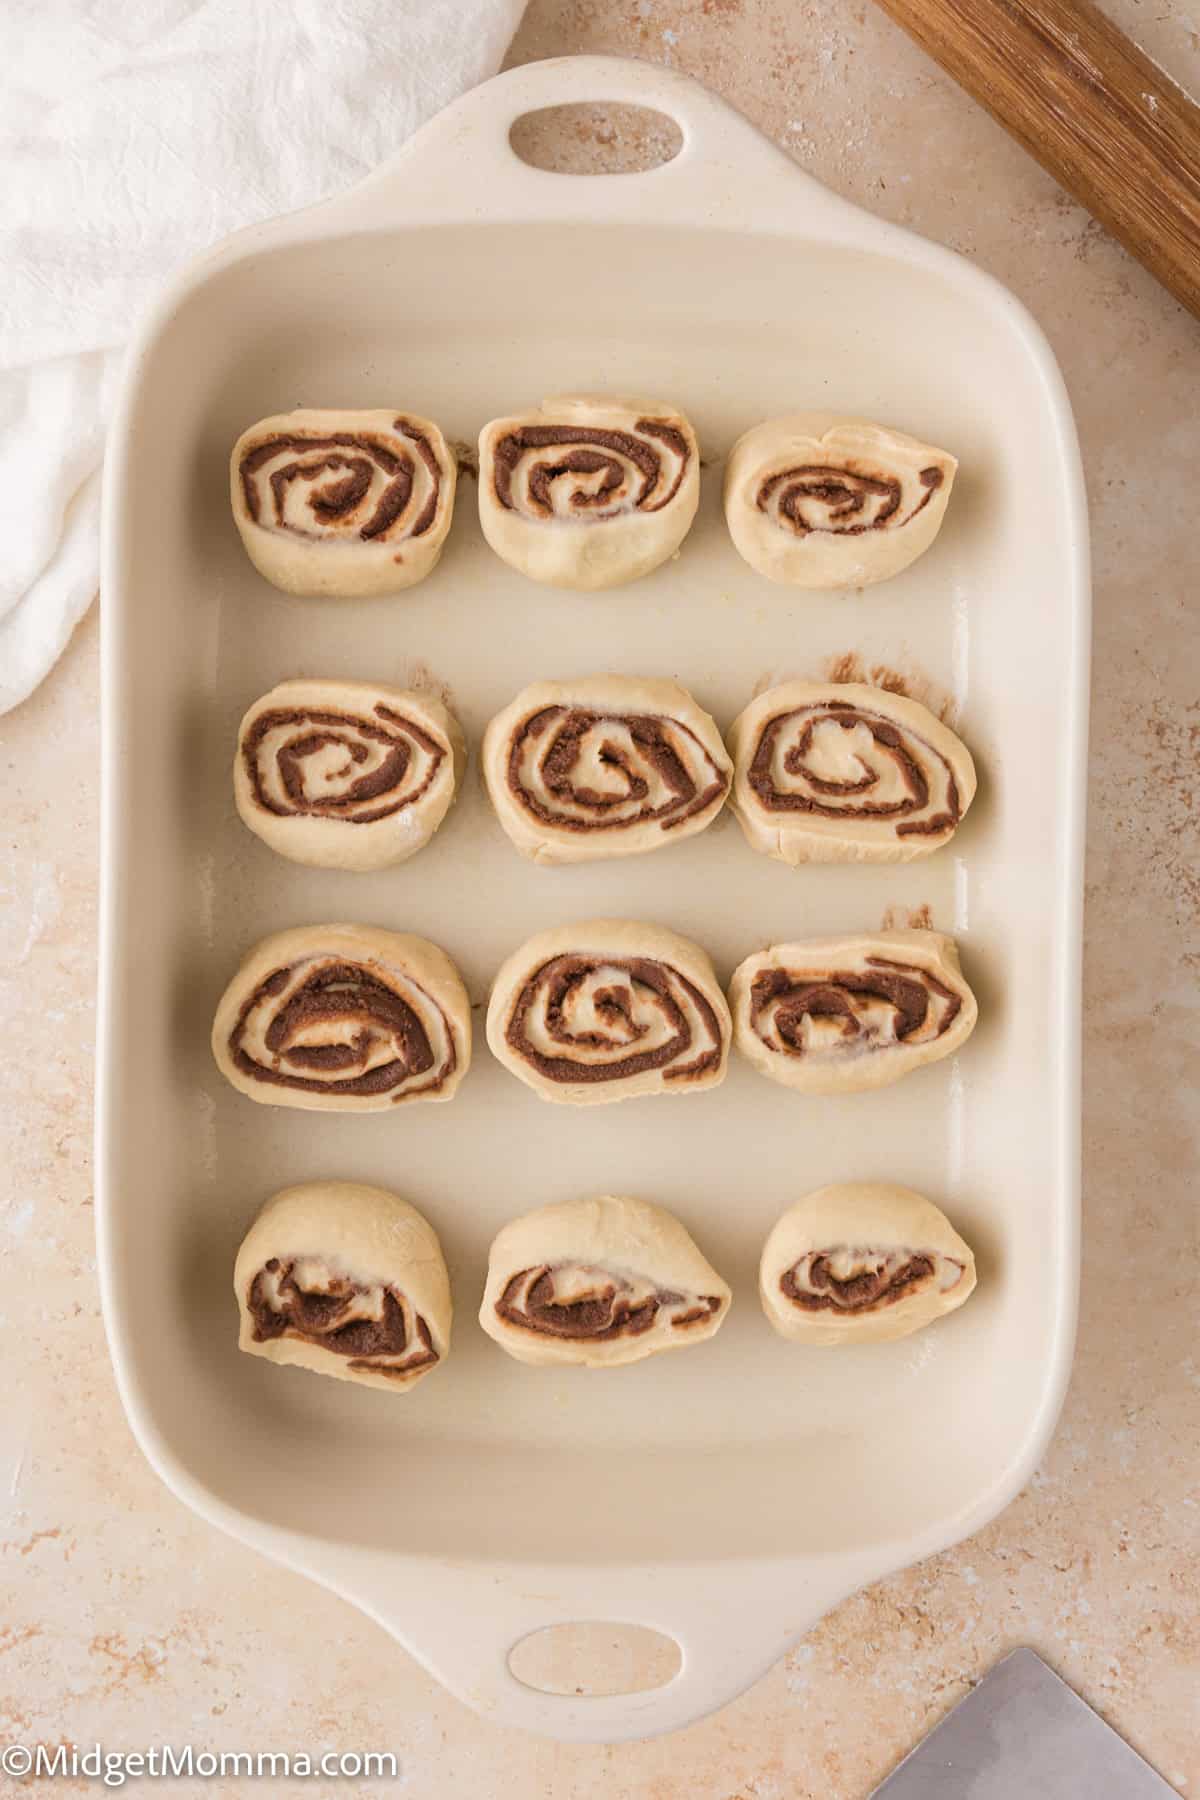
{"x": 1022, "y": 1734}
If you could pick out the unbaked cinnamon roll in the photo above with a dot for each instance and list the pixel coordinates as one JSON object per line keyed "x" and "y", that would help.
{"x": 843, "y": 772}
{"x": 347, "y": 1281}
{"x": 342, "y": 1018}
{"x": 344, "y": 503}
{"x": 599, "y": 1282}
{"x": 604, "y": 766}
{"x": 588, "y": 491}
{"x": 862, "y": 1263}
{"x": 346, "y": 774}
{"x": 608, "y": 1010}
{"x": 821, "y": 501}
{"x": 838, "y": 1014}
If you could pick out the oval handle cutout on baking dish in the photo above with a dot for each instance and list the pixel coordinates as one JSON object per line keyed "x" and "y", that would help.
{"x": 596, "y": 137}
{"x": 594, "y": 1658}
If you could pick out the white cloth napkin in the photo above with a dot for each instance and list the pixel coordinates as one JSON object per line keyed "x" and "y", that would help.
{"x": 134, "y": 133}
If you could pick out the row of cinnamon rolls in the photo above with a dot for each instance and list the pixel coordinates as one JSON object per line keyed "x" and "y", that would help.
{"x": 350, "y": 1281}
{"x": 583, "y": 492}
{"x": 353, "y": 1019}
{"x": 359, "y": 776}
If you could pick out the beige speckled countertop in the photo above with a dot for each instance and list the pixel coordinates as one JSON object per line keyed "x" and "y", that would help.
{"x": 128, "y": 1620}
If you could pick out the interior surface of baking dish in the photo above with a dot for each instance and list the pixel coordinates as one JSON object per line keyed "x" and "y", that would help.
{"x": 730, "y": 1496}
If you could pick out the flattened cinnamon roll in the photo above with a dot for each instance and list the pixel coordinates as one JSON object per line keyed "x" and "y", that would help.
{"x": 347, "y": 1281}
{"x": 832, "y": 1015}
{"x": 346, "y": 774}
{"x": 862, "y": 1263}
{"x": 588, "y": 491}
{"x": 843, "y": 772}
{"x": 343, "y": 1018}
{"x": 599, "y": 1282}
{"x": 822, "y": 501}
{"x": 608, "y": 1010}
{"x": 604, "y": 766}
{"x": 343, "y": 503}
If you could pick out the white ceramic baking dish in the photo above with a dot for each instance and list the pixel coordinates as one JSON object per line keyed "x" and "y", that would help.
{"x": 730, "y": 1496}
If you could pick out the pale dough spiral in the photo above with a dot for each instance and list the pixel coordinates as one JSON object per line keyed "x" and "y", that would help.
{"x": 862, "y": 1263}
{"x": 344, "y": 1018}
{"x": 603, "y": 766}
{"x": 588, "y": 491}
{"x": 843, "y": 772}
{"x": 833, "y": 1015}
{"x": 608, "y": 1010}
{"x": 343, "y": 503}
{"x": 818, "y": 500}
{"x": 600, "y": 1283}
{"x": 346, "y": 774}
{"x": 344, "y": 1280}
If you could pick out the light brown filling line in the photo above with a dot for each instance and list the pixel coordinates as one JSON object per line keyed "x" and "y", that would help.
{"x": 605, "y": 1313}
{"x": 651, "y": 734}
{"x": 563, "y": 973}
{"x": 337, "y": 993}
{"x": 350, "y": 459}
{"x": 315, "y": 731}
{"x": 581, "y": 450}
{"x": 904, "y": 987}
{"x": 891, "y": 741}
{"x": 871, "y": 1290}
{"x": 319, "y": 1317}
{"x": 847, "y": 492}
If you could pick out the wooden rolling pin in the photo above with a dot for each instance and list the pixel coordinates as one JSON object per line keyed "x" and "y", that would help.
{"x": 1094, "y": 110}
